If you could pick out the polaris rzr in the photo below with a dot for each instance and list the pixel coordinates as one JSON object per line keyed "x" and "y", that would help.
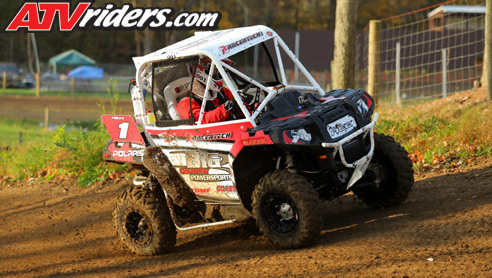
{"x": 286, "y": 147}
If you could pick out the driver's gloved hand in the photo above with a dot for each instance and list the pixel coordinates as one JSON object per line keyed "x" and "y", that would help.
{"x": 229, "y": 105}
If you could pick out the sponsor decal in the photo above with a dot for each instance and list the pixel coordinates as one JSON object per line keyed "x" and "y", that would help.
{"x": 297, "y": 136}
{"x": 369, "y": 101}
{"x": 122, "y": 129}
{"x": 194, "y": 160}
{"x": 269, "y": 33}
{"x": 184, "y": 87}
{"x": 362, "y": 107}
{"x": 40, "y": 16}
{"x": 203, "y": 160}
{"x": 330, "y": 99}
{"x": 226, "y": 48}
{"x": 202, "y": 77}
{"x": 251, "y": 142}
{"x": 209, "y": 137}
{"x": 225, "y": 188}
{"x": 197, "y": 171}
{"x": 341, "y": 126}
{"x": 208, "y": 178}
{"x": 201, "y": 191}
{"x": 127, "y": 153}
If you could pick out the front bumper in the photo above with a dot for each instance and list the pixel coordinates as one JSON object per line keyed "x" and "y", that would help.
{"x": 361, "y": 164}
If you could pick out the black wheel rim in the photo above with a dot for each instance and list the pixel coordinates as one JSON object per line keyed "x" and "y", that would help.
{"x": 137, "y": 227}
{"x": 280, "y": 212}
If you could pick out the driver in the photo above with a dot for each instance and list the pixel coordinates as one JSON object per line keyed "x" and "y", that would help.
{"x": 220, "y": 101}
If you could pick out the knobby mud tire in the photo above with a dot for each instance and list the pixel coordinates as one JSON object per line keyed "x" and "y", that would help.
{"x": 398, "y": 169}
{"x": 307, "y": 221}
{"x": 140, "y": 202}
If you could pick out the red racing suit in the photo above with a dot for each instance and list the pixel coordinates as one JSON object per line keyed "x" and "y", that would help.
{"x": 214, "y": 110}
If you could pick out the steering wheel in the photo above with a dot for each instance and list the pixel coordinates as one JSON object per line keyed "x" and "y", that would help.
{"x": 245, "y": 89}
{"x": 247, "y": 100}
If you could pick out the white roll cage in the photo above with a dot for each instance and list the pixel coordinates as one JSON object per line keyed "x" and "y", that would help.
{"x": 212, "y": 45}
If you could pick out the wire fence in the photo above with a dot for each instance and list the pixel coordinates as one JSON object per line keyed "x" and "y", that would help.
{"x": 428, "y": 53}
{"x": 113, "y": 73}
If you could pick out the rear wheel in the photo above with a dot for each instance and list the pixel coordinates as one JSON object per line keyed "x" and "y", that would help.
{"x": 287, "y": 209}
{"x": 395, "y": 173}
{"x": 143, "y": 221}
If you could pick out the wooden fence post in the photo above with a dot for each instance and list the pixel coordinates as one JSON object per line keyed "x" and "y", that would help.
{"x": 444, "y": 73}
{"x": 38, "y": 84}
{"x": 72, "y": 83}
{"x": 4, "y": 80}
{"x": 488, "y": 49}
{"x": 397, "y": 77}
{"x": 373, "y": 58}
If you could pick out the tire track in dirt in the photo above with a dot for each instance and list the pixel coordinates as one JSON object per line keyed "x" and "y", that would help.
{"x": 443, "y": 230}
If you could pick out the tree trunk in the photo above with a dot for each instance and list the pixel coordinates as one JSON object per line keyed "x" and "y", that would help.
{"x": 344, "y": 56}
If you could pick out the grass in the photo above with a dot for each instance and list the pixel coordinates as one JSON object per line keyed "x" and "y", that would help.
{"x": 69, "y": 152}
{"x": 30, "y": 130}
{"x": 32, "y": 92}
{"x": 445, "y": 135}
{"x": 74, "y": 150}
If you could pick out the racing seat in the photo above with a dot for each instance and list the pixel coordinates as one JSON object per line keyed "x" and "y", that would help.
{"x": 174, "y": 91}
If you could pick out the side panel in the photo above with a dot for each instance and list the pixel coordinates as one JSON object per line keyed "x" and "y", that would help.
{"x": 208, "y": 173}
{"x": 202, "y": 156}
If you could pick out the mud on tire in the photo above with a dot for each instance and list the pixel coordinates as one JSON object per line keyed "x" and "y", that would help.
{"x": 287, "y": 209}
{"x": 398, "y": 172}
{"x": 143, "y": 221}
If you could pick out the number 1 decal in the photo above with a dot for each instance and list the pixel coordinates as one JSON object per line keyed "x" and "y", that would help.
{"x": 123, "y": 129}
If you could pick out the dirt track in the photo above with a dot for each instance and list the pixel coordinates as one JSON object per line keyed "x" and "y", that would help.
{"x": 62, "y": 109}
{"x": 443, "y": 230}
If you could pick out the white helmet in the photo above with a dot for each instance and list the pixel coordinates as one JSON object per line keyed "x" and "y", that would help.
{"x": 201, "y": 82}
{"x": 201, "y": 75}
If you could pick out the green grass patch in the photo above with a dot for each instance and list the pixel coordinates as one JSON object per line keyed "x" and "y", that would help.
{"x": 22, "y": 132}
{"x": 443, "y": 137}
{"x": 74, "y": 150}
{"x": 70, "y": 152}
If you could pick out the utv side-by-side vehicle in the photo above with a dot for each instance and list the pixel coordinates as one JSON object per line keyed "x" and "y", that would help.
{"x": 283, "y": 150}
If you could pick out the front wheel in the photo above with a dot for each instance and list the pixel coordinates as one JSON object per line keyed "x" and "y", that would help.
{"x": 143, "y": 221}
{"x": 395, "y": 174}
{"x": 287, "y": 209}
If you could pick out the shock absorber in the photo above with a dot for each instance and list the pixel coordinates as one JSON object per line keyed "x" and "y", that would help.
{"x": 290, "y": 164}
